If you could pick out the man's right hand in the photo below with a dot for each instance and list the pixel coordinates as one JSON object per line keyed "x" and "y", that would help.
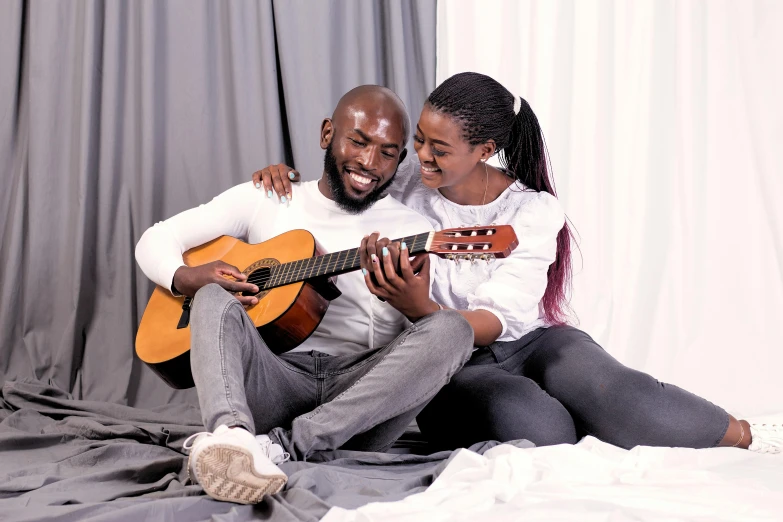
{"x": 188, "y": 280}
{"x": 276, "y": 179}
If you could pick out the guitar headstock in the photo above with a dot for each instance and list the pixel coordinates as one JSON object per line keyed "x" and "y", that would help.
{"x": 474, "y": 243}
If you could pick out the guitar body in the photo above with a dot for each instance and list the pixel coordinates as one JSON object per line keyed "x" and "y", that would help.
{"x": 285, "y": 316}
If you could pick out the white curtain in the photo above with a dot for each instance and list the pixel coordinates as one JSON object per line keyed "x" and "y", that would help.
{"x": 664, "y": 121}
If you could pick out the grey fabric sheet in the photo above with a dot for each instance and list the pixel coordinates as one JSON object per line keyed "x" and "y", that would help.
{"x": 69, "y": 459}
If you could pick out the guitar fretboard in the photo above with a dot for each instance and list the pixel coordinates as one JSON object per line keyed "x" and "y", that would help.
{"x": 332, "y": 264}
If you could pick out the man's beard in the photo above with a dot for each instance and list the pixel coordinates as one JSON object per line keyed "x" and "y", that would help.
{"x": 344, "y": 200}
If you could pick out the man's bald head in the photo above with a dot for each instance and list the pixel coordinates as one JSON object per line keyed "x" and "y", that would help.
{"x": 364, "y": 142}
{"x": 377, "y": 101}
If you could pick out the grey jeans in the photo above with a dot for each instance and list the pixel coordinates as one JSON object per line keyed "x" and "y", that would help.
{"x": 555, "y": 385}
{"x": 311, "y": 401}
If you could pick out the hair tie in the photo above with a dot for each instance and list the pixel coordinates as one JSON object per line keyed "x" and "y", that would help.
{"x": 517, "y": 104}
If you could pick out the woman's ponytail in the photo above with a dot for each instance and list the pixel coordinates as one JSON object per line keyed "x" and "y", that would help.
{"x": 525, "y": 156}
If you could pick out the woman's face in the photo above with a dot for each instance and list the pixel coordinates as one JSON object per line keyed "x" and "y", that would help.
{"x": 447, "y": 159}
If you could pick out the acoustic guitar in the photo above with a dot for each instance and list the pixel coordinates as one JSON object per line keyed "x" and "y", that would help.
{"x": 295, "y": 279}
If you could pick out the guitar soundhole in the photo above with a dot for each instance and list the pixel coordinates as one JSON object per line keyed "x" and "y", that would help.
{"x": 258, "y": 274}
{"x": 258, "y": 278}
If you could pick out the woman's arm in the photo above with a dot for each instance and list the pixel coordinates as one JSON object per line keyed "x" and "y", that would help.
{"x": 516, "y": 284}
{"x": 486, "y": 326}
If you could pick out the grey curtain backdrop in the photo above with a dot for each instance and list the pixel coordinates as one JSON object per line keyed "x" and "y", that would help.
{"x": 117, "y": 114}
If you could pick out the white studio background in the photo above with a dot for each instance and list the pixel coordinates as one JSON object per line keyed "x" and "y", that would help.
{"x": 665, "y": 129}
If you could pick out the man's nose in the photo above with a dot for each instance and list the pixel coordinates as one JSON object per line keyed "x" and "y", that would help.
{"x": 369, "y": 157}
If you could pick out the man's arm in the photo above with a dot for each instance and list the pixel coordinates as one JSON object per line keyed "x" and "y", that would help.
{"x": 159, "y": 251}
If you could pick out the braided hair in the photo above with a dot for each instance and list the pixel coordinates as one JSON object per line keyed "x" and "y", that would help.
{"x": 485, "y": 110}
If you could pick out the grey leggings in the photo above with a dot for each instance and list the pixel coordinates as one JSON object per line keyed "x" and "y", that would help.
{"x": 556, "y": 385}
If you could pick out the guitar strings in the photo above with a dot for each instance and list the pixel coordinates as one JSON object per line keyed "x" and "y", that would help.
{"x": 286, "y": 272}
{"x": 313, "y": 267}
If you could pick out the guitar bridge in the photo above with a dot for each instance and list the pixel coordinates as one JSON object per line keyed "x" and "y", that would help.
{"x": 184, "y": 319}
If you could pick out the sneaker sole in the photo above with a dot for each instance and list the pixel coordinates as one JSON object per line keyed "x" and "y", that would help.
{"x": 227, "y": 473}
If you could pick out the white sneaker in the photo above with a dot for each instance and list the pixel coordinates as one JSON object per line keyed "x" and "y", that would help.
{"x": 766, "y": 438}
{"x": 273, "y": 451}
{"x": 234, "y": 466}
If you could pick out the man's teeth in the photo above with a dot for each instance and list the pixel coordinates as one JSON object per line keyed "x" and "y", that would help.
{"x": 429, "y": 169}
{"x": 360, "y": 179}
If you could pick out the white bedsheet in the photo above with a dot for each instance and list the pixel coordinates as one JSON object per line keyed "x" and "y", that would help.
{"x": 593, "y": 481}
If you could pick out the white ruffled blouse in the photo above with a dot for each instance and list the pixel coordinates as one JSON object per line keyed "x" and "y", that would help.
{"x": 510, "y": 288}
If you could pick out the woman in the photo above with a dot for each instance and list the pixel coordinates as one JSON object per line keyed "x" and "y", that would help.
{"x": 533, "y": 377}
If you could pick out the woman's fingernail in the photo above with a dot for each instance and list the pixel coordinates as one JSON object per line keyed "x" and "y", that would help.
{"x": 385, "y": 251}
{"x": 282, "y": 199}
{"x": 364, "y": 271}
{"x": 374, "y": 258}
{"x": 291, "y": 175}
{"x": 288, "y": 195}
{"x": 255, "y": 289}
{"x": 269, "y": 194}
{"x": 403, "y": 246}
{"x": 258, "y": 185}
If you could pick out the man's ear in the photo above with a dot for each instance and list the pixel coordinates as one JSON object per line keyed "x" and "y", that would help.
{"x": 327, "y": 132}
{"x": 403, "y": 155}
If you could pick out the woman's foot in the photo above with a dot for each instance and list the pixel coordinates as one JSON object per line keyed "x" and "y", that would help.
{"x": 766, "y": 438}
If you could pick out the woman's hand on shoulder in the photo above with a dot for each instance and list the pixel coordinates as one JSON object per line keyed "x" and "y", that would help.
{"x": 392, "y": 276}
{"x": 276, "y": 179}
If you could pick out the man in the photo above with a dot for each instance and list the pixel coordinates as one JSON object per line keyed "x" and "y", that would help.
{"x": 366, "y": 371}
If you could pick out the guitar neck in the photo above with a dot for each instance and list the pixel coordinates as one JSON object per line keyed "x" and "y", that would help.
{"x": 332, "y": 264}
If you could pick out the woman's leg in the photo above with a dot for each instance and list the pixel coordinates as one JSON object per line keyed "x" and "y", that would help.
{"x": 620, "y": 405}
{"x": 485, "y": 402}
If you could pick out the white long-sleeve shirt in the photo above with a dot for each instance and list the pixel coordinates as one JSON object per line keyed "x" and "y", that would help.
{"x": 355, "y": 321}
{"x": 510, "y": 288}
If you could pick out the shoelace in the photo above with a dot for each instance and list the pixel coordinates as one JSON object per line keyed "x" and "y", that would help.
{"x": 193, "y": 438}
{"x": 266, "y": 446}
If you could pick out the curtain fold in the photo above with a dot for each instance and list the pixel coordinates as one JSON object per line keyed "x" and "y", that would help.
{"x": 115, "y": 115}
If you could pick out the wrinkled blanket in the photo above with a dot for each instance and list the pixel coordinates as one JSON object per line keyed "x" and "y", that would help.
{"x": 71, "y": 460}
{"x": 592, "y": 482}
